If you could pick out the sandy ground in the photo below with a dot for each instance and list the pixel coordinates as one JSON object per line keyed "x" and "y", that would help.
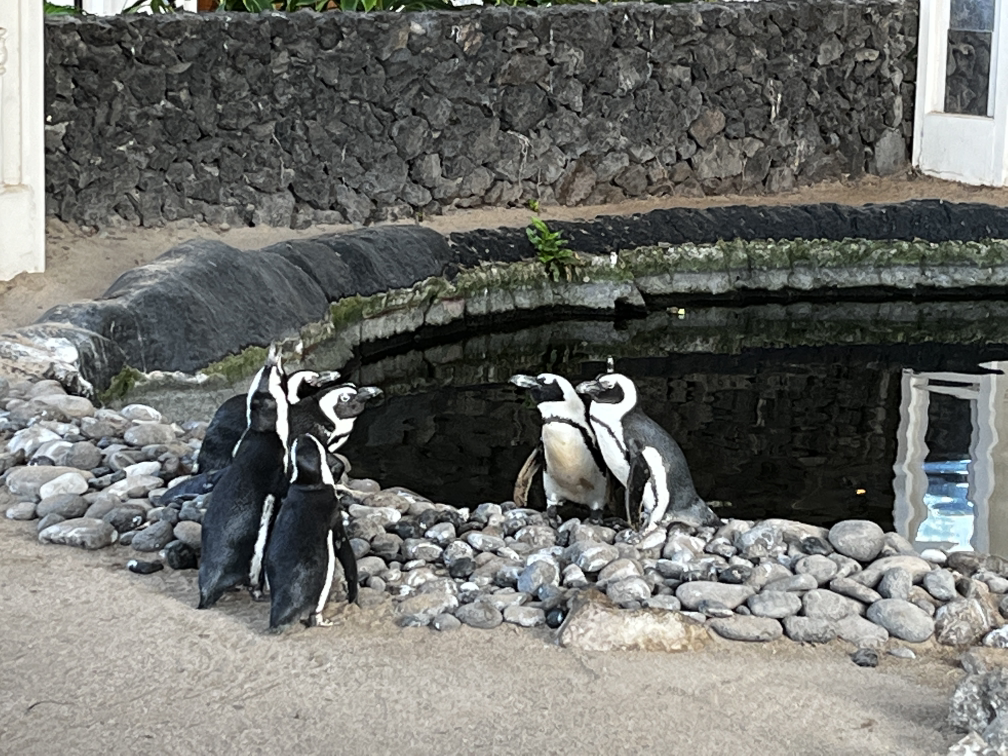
{"x": 94, "y": 659}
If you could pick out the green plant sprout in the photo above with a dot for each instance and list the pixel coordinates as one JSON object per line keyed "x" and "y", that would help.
{"x": 551, "y": 250}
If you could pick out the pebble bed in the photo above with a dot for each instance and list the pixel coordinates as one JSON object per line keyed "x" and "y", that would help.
{"x": 94, "y": 478}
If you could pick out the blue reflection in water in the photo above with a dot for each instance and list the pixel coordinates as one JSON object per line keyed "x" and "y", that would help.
{"x": 950, "y": 517}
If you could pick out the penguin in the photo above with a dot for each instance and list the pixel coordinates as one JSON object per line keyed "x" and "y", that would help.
{"x": 333, "y": 413}
{"x": 574, "y": 469}
{"x": 307, "y": 539}
{"x": 643, "y": 457}
{"x": 240, "y": 509}
{"x": 327, "y": 410}
{"x": 228, "y": 422}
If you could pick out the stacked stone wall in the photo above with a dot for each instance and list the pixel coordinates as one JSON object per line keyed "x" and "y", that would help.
{"x": 323, "y": 118}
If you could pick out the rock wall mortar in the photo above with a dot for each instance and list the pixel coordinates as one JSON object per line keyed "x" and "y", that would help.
{"x": 289, "y": 120}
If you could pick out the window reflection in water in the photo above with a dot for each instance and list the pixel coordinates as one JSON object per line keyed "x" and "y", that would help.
{"x": 946, "y": 484}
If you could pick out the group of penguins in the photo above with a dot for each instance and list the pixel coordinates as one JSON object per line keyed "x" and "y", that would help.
{"x": 274, "y": 515}
{"x": 596, "y": 443}
{"x": 275, "y": 508}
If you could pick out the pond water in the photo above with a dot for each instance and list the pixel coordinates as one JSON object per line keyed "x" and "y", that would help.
{"x": 895, "y": 412}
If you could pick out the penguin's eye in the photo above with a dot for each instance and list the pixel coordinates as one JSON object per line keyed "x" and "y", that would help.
{"x": 344, "y": 397}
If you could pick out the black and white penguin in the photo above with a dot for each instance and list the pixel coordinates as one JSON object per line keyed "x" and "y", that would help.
{"x": 307, "y": 539}
{"x": 229, "y": 421}
{"x": 241, "y": 507}
{"x": 572, "y": 464}
{"x": 643, "y": 457}
{"x": 326, "y": 410}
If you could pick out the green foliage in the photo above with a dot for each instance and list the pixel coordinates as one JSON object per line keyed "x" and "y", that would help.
{"x": 154, "y": 6}
{"x": 551, "y": 249}
{"x": 51, "y": 9}
{"x": 533, "y": 205}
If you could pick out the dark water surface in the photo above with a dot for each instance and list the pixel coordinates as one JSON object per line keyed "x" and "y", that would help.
{"x": 817, "y": 412}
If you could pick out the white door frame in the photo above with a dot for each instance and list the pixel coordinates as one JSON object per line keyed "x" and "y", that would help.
{"x": 966, "y": 148}
{"x": 22, "y": 139}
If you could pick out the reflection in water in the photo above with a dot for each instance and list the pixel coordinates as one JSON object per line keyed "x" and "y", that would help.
{"x": 946, "y": 485}
{"x": 795, "y": 411}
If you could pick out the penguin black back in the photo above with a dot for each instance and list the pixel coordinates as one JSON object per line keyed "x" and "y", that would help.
{"x": 643, "y": 456}
{"x": 241, "y": 506}
{"x": 307, "y": 539}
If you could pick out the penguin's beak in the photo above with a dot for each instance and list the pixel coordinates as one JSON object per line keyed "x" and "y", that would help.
{"x": 589, "y": 388}
{"x": 366, "y": 393}
{"x": 523, "y": 381}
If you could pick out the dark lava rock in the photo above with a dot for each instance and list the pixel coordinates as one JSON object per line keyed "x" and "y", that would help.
{"x": 865, "y": 657}
{"x": 555, "y": 617}
{"x": 153, "y": 538}
{"x": 141, "y": 567}
{"x": 180, "y": 556}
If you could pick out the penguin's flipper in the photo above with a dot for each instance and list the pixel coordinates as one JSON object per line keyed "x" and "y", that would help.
{"x": 526, "y": 476}
{"x": 344, "y": 552}
{"x": 637, "y": 482}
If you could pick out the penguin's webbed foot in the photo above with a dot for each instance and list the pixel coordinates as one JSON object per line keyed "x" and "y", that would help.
{"x": 258, "y": 595}
{"x": 552, "y": 516}
{"x": 316, "y": 620}
{"x": 595, "y": 517}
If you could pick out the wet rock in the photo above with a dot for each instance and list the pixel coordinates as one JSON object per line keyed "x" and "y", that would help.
{"x": 618, "y": 569}
{"x": 426, "y": 606}
{"x": 80, "y": 531}
{"x": 154, "y": 538}
{"x": 83, "y": 455}
{"x": 809, "y": 629}
{"x": 823, "y": 604}
{"x": 67, "y": 505}
{"x": 818, "y": 566}
{"x": 666, "y": 603}
{"x": 858, "y": 539}
{"x": 997, "y": 638}
{"x": 181, "y": 556}
{"x": 902, "y": 619}
{"x": 445, "y": 622}
{"x": 68, "y": 483}
{"x": 189, "y": 533}
{"x": 29, "y": 440}
{"x": 23, "y": 510}
{"x": 962, "y": 622}
{"x": 50, "y": 519}
{"x": 126, "y": 517}
{"x": 754, "y": 629}
{"x": 142, "y": 567}
{"x": 766, "y": 573}
{"x": 854, "y": 590}
{"x": 978, "y": 699}
{"x": 861, "y": 632}
{"x": 27, "y": 481}
{"x": 525, "y": 616}
{"x": 775, "y": 604}
{"x": 865, "y": 657}
{"x": 872, "y": 574}
{"x": 480, "y": 614}
{"x": 797, "y": 583}
{"x": 596, "y": 625}
{"x": 418, "y": 548}
{"x": 628, "y": 590}
{"x": 538, "y": 574}
{"x": 895, "y": 584}
{"x": 138, "y": 413}
{"x": 592, "y": 556}
{"x": 691, "y": 594}
{"x": 146, "y": 434}
{"x": 966, "y": 562}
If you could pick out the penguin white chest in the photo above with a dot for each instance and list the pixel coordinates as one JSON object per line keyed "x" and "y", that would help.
{"x": 568, "y": 461}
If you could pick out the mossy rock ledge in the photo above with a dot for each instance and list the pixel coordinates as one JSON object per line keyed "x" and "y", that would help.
{"x": 207, "y": 309}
